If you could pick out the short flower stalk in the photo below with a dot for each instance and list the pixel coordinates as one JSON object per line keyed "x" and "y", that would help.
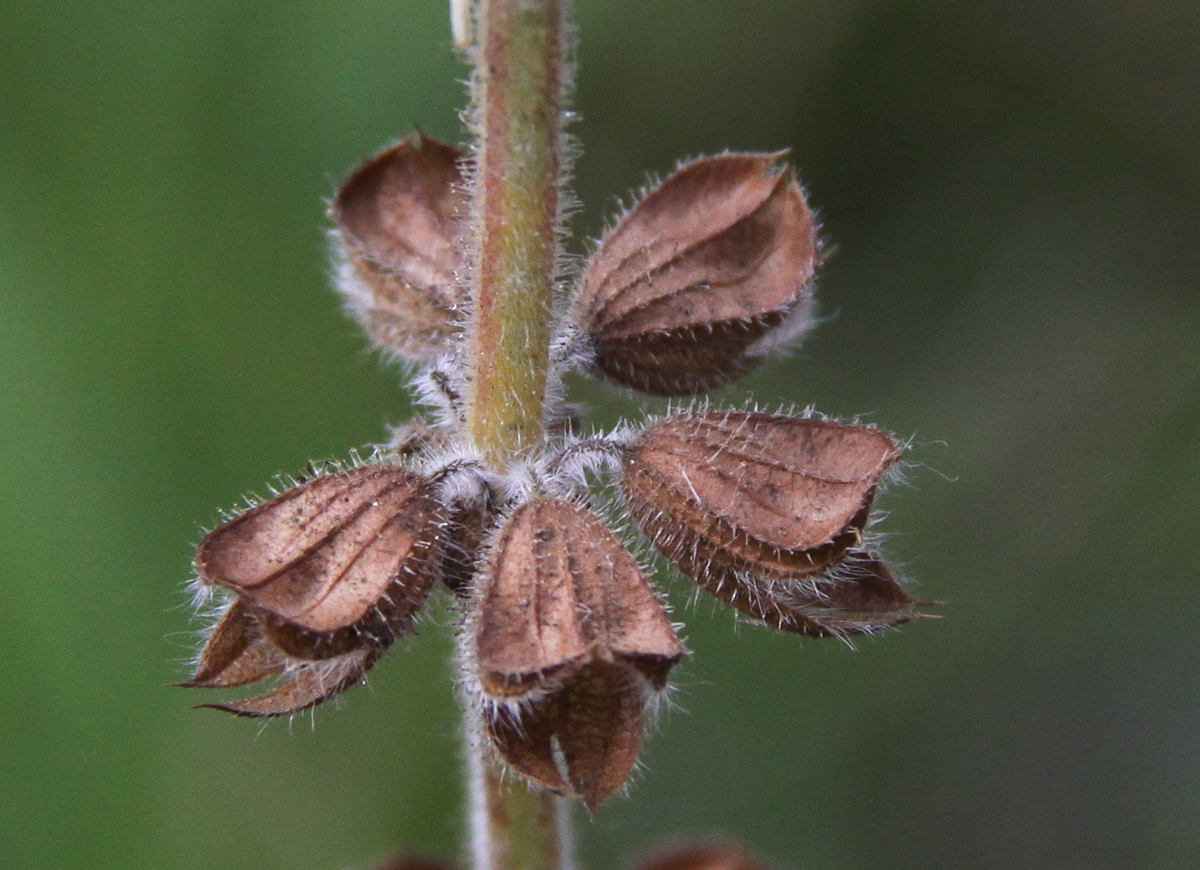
{"x": 452, "y": 261}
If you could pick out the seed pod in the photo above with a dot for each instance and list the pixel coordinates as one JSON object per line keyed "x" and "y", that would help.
{"x": 859, "y": 597}
{"x": 780, "y": 497}
{"x": 525, "y": 740}
{"x": 341, "y": 562}
{"x": 559, "y": 591}
{"x": 600, "y": 729}
{"x": 701, "y": 278}
{"x": 396, "y": 221}
{"x": 309, "y": 685}
{"x": 236, "y": 653}
{"x": 566, "y": 623}
{"x": 596, "y": 718}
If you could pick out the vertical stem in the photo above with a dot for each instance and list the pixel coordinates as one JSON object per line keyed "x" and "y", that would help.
{"x": 513, "y": 827}
{"x": 518, "y": 85}
{"x": 519, "y": 92}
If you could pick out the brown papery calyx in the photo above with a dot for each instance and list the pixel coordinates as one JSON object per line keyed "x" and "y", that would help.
{"x": 331, "y": 571}
{"x": 858, "y": 596}
{"x": 683, "y": 293}
{"x": 307, "y": 685}
{"x": 237, "y": 653}
{"x": 780, "y": 496}
{"x": 767, "y": 512}
{"x": 397, "y": 219}
{"x": 342, "y": 561}
{"x": 569, "y": 641}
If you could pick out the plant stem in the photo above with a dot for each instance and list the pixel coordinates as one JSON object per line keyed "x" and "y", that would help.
{"x": 518, "y": 84}
{"x": 513, "y": 826}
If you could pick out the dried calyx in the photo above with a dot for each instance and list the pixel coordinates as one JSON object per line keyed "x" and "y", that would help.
{"x": 705, "y": 275}
{"x": 397, "y": 220}
{"x": 768, "y": 514}
{"x": 565, "y": 644}
{"x": 324, "y": 578}
{"x": 568, "y": 644}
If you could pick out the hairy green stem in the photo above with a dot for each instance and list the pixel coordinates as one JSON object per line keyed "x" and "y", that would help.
{"x": 518, "y": 84}
{"x": 513, "y": 826}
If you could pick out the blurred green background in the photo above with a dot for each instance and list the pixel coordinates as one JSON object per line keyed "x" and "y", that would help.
{"x": 1011, "y": 189}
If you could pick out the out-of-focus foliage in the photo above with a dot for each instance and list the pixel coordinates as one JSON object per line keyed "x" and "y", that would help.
{"x": 1010, "y": 190}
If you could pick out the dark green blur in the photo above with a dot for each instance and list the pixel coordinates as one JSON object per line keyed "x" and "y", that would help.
{"x": 1010, "y": 190}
